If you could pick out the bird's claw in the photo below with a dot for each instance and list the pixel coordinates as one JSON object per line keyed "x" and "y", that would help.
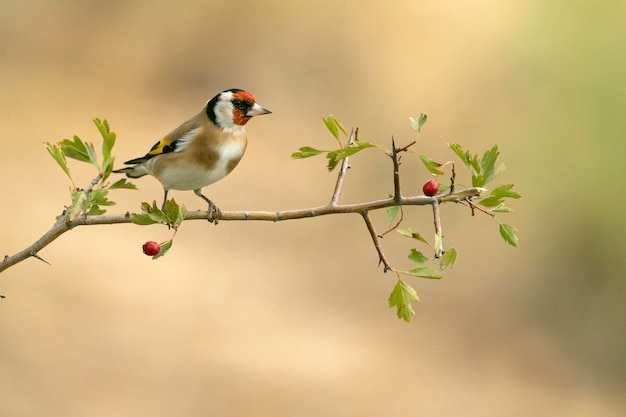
{"x": 214, "y": 213}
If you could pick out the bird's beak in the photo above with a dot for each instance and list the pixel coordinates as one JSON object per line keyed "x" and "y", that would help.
{"x": 257, "y": 110}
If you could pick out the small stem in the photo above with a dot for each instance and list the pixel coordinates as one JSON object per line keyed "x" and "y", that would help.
{"x": 474, "y": 206}
{"x": 395, "y": 226}
{"x": 396, "y": 171}
{"x": 452, "y": 179}
{"x": 381, "y": 256}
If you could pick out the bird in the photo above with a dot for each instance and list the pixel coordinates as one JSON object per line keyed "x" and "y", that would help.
{"x": 202, "y": 150}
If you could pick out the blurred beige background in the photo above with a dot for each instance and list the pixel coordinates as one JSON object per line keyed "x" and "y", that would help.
{"x": 291, "y": 319}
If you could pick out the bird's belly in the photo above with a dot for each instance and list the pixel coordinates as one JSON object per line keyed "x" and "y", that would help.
{"x": 189, "y": 177}
{"x": 182, "y": 174}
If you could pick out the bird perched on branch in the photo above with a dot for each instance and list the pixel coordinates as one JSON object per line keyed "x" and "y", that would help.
{"x": 202, "y": 150}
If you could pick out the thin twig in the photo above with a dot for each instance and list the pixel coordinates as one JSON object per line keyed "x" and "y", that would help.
{"x": 343, "y": 169}
{"x": 395, "y": 226}
{"x": 396, "y": 171}
{"x": 381, "y": 255}
{"x": 452, "y": 179}
{"x": 475, "y": 207}
{"x": 405, "y": 148}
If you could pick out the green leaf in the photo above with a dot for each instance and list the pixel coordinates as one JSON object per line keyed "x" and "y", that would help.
{"x": 424, "y": 272}
{"x": 79, "y": 150}
{"x": 402, "y": 297}
{"x": 306, "y": 152}
{"x": 108, "y": 137}
{"x": 334, "y": 157}
{"x": 488, "y": 164}
{"x": 501, "y": 209}
{"x": 417, "y": 256}
{"x": 418, "y": 122}
{"x": 505, "y": 191}
{"x": 414, "y": 235}
{"x": 143, "y": 220}
{"x": 490, "y": 201}
{"x": 95, "y": 210}
{"x": 431, "y": 166}
{"x": 107, "y": 167}
{"x": 448, "y": 259}
{"x": 122, "y": 183}
{"x": 165, "y": 246}
{"x": 334, "y": 126}
{"x": 154, "y": 213}
{"x": 182, "y": 213}
{"x": 509, "y": 235}
{"x": 175, "y": 213}
{"x": 57, "y": 153}
{"x": 463, "y": 155}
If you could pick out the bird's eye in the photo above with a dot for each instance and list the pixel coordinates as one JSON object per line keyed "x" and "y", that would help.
{"x": 239, "y": 104}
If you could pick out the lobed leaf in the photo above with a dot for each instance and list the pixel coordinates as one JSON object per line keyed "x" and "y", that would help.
{"x": 414, "y": 234}
{"x": 424, "y": 272}
{"x": 431, "y": 166}
{"x": 501, "y": 209}
{"x": 175, "y": 213}
{"x": 448, "y": 258}
{"x": 122, "y": 183}
{"x": 57, "y": 153}
{"x": 490, "y": 201}
{"x": 417, "y": 256}
{"x": 334, "y": 157}
{"x": 488, "y": 164}
{"x": 402, "y": 297}
{"x": 165, "y": 246}
{"x": 108, "y": 137}
{"x": 143, "y": 219}
{"x": 418, "y": 122}
{"x": 334, "y": 126}
{"x": 79, "y": 150}
{"x": 505, "y": 191}
{"x": 464, "y": 156}
{"x": 306, "y": 152}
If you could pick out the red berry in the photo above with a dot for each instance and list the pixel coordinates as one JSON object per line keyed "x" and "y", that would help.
{"x": 151, "y": 248}
{"x": 430, "y": 188}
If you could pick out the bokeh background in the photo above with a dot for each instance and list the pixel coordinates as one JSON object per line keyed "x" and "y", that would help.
{"x": 285, "y": 319}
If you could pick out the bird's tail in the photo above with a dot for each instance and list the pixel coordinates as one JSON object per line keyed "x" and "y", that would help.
{"x": 135, "y": 171}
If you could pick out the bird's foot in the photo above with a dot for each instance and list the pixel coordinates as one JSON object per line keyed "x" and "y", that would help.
{"x": 214, "y": 213}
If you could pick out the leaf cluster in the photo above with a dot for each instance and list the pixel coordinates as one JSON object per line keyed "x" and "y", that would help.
{"x": 335, "y": 156}
{"x": 172, "y": 215}
{"x": 89, "y": 201}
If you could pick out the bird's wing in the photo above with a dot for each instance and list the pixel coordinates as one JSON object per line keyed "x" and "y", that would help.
{"x": 175, "y": 141}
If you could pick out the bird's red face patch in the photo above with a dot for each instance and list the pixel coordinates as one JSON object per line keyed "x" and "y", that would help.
{"x": 239, "y": 117}
{"x": 246, "y": 100}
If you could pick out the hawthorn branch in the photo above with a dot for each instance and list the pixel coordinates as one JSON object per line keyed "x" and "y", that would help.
{"x": 65, "y": 224}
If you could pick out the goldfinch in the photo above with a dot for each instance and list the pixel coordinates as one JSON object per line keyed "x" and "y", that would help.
{"x": 202, "y": 150}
